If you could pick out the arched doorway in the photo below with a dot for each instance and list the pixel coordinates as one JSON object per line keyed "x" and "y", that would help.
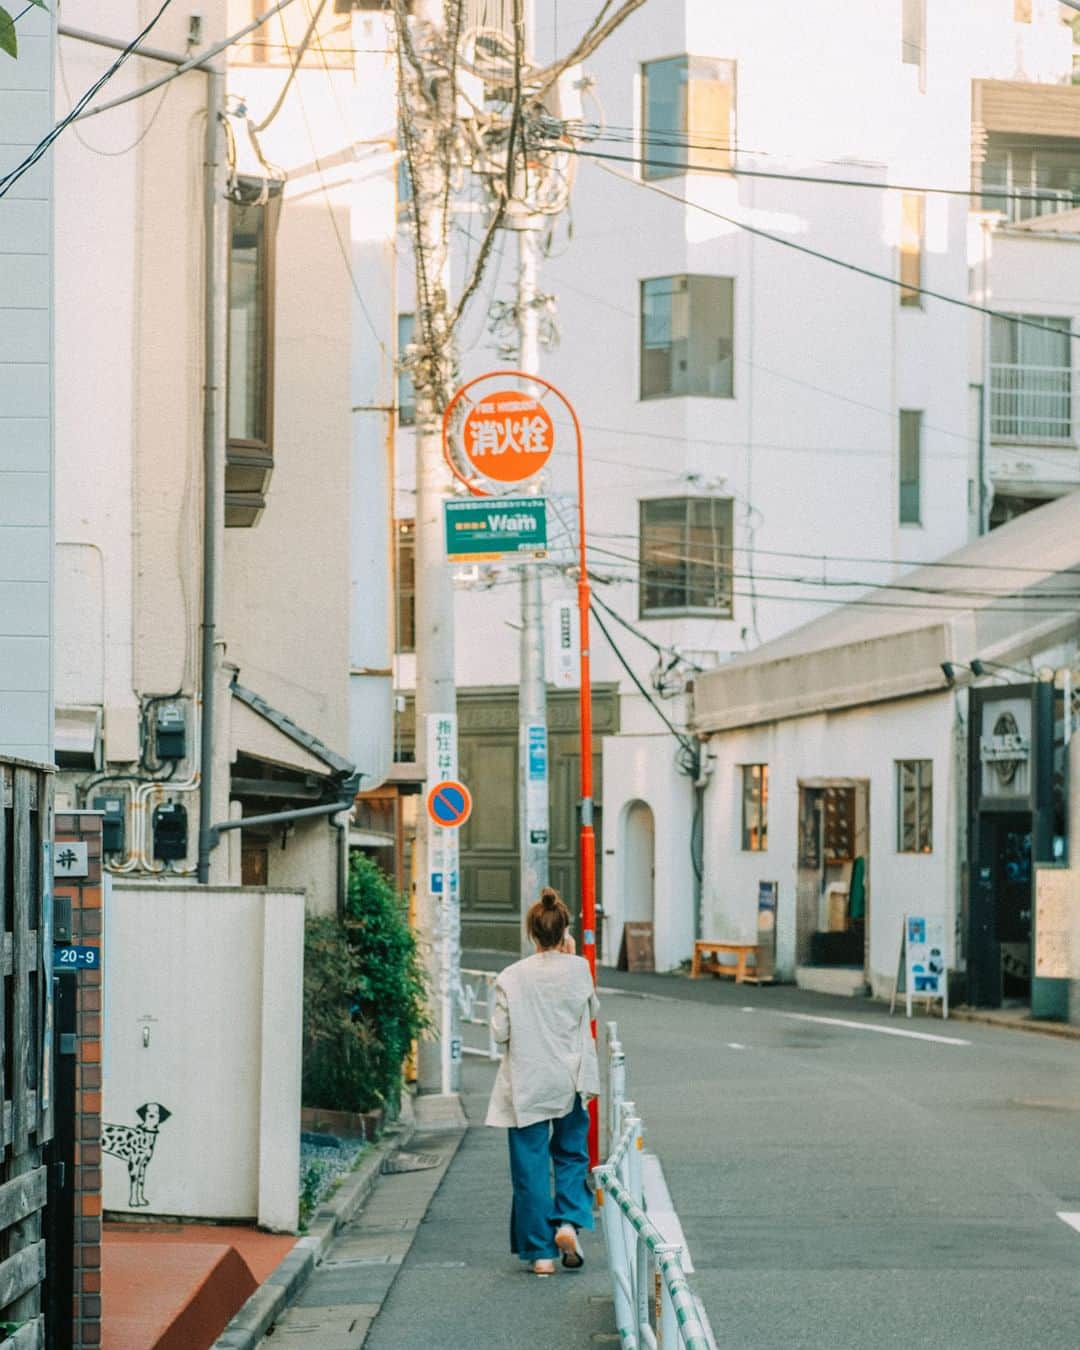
{"x": 638, "y": 850}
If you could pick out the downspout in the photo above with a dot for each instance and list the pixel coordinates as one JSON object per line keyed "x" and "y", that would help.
{"x": 282, "y": 817}
{"x": 215, "y": 220}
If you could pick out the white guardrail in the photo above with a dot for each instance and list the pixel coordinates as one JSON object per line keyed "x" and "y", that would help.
{"x": 654, "y": 1305}
{"x": 476, "y": 1003}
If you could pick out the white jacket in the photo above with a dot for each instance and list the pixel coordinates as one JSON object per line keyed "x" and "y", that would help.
{"x": 544, "y": 1006}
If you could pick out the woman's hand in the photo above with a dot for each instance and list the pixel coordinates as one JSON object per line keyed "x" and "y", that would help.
{"x": 568, "y": 945}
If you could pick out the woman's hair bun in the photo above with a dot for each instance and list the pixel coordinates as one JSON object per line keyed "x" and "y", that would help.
{"x": 548, "y": 898}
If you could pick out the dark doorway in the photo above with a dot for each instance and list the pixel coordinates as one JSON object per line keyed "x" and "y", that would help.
{"x": 1010, "y": 854}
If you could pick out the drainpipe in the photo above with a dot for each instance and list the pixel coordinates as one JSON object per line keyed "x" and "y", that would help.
{"x": 215, "y": 223}
{"x": 283, "y": 817}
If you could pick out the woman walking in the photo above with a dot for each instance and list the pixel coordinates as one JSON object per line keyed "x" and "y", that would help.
{"x": 544, "y": 1007}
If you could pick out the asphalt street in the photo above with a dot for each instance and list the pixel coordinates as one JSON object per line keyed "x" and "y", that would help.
{"x": 845, "y": 1186}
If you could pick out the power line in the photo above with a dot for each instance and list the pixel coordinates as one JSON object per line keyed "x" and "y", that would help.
{"x": 908, "y": 287}
{"x": 681, "y": 166}
{"x": 8, "y": 181}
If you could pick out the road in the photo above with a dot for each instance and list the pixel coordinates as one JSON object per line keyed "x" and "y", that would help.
{"x": 841, "y": 1186}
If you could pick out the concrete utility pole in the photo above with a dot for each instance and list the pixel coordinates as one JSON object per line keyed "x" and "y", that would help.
{"x": 430, "y": 97}
{"x": 532, "y": 694}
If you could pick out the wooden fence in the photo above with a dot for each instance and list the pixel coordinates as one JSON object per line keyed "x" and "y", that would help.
{"x": 25, "y": 1046}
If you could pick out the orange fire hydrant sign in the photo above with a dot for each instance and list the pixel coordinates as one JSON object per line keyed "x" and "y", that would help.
{"x": 508, "y": 436}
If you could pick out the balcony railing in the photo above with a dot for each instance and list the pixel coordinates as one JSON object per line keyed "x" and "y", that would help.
{"x": 1020, "y": 203}
{"x": 1030, "y": 403}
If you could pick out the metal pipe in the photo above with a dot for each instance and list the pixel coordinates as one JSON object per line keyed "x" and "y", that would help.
{"x": 280, "y": 817}
{"x": 121, "y": 44}
{"x": 215, "y": 221}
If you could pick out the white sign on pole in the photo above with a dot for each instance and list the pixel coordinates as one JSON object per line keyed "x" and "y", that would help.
{"x": 442, "y": 760}
{"x": 535, "y": 752}
{"x": 920, "y": 970}
{"x": 442, "y": 765}
{"x": 564, "y": 645}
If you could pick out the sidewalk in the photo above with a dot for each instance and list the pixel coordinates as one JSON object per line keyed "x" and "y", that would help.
{"x": 426, "y": 1262}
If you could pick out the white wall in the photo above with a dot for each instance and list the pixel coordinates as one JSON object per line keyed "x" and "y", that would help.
{"x": 863, "y": 743}
{"x": 26, "y": 398}
{"x": 642, "y": 769}
{"x": 203, "y": 1014}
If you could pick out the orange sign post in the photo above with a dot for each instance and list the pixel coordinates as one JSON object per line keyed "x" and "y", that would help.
{"x": 507, "y": 437}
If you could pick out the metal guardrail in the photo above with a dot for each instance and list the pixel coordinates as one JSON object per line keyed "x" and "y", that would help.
{"x": 476, "y": 1003}
{"x": 649, "y": 1313}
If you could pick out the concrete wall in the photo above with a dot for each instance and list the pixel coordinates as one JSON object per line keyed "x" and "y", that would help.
{"x": 203, "y": 1015}
{"x": 862, "y": 744}
{"x": 641, "y": 768}
{"x": 26, "y": 398}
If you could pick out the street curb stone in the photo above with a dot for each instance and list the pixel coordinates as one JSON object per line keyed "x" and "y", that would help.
{"x": 287, "y": 1281}
{"x": 1062, "y": 1030}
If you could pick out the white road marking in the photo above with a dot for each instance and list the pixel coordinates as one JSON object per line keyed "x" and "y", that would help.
{"x": 1073, "y": 1220}
{"x": 873, "y": 1026}
{"x": 734, "y": 1045}
{"x": 746, "y": 1010}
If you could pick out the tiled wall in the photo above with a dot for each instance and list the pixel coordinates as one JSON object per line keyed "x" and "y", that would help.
{"x": 85, "y": 894}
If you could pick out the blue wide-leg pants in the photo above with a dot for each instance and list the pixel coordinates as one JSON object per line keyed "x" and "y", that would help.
{"x": 550, "y": 1149}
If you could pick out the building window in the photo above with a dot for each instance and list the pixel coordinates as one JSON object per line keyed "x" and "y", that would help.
{"x": 1031, "y": 379}
{"x": 686, "y": 562}
{"x": 914, "y": 806}
{"x": 913, "y": 35}
{"x": 405, "y": 585}
{"x": 910, "y": 467}
{"x": 687, "y": 116}
{"x": 912, "y": 231}
{"x": 249, "y": 455}
{"x": 755, "y": 808}
{"x": 687, "y": 337}
{"x": 1024, "y": 177}
{"x": 406, "y": 394}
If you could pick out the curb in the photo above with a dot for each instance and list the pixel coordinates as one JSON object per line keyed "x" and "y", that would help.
{"x": 269, "y": 1301}
{"x": 1066, "y": 1031}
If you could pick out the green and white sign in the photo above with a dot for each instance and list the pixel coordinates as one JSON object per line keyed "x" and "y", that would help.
{"x": 496, "y": 529}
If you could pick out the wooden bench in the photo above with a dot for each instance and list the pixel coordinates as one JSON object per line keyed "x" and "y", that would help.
{"x": 710, "y": 950}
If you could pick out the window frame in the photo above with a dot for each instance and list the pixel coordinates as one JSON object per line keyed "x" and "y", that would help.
{"x": 903, "y": 516}
{"x": 404, "y": 528}
{"x": 646, "y": 611}
{"x": 729, "y": 337}
{"x": 757, "y": 800}
{"x": 244, "y": 505}
{"x": 1020, "y": 430}
{"x": 912, "y": 248}
{"x": 922, "y": 789}
{"x": 406, "y": 411}
{"x": 707, "y": 160}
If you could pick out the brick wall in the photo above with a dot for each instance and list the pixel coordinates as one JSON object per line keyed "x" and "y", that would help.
{"x": 86, "y": 930}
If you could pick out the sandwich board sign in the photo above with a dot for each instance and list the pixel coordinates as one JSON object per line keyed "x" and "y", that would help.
{"x": 920, "y": 969}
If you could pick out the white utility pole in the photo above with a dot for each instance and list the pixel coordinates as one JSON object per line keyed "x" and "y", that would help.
{"x": 438, "y": 911}
{"x": 532, "y": 693}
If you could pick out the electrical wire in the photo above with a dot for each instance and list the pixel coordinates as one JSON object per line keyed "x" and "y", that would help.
{"x": 96, "y": 150}
{"x": 8, "y": 181}
{"x": 734, "y": 171}
{"x": 293, "y": 68}
{"x": 907, "y": 287}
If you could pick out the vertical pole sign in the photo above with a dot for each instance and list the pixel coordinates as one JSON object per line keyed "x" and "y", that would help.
{"x": 442, "y": 883}
{"x": 493, "y": 437}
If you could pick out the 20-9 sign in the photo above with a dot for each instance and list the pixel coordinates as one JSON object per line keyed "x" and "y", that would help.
{"x": 77, "y": 958}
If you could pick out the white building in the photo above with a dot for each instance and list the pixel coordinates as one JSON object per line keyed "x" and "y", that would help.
{"x": 754, "y": 415}
{"x": 26, "y": 396}
{"x": 302, "y": 610}
{"x": 906, "y": 754}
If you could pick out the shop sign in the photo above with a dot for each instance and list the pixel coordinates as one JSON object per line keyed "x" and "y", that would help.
{"x": 1005, "y": 748}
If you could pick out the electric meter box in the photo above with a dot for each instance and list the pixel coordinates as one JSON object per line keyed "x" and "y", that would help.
{"x": 170, "y": 832}
{"x": 112, "y": 823}
{"x": 170, "y": 731}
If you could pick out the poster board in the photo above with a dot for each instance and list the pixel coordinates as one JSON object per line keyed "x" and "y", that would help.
{"x": 638, "y": 947}
{"x": 920, "y": 967}
{"x": 1054, "y": 891}
{"x": 768, "y": 902}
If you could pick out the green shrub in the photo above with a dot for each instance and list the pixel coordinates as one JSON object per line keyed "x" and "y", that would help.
{"x": 363, "y": 997}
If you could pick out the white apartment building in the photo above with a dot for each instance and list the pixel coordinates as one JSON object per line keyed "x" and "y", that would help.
{"x": 302, "y": 615}
{"x": 769, "y": 426}
{"x": 26, "y": 396}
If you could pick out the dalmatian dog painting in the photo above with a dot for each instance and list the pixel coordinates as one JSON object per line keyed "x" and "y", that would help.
{"x": 134, "y": 1145}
